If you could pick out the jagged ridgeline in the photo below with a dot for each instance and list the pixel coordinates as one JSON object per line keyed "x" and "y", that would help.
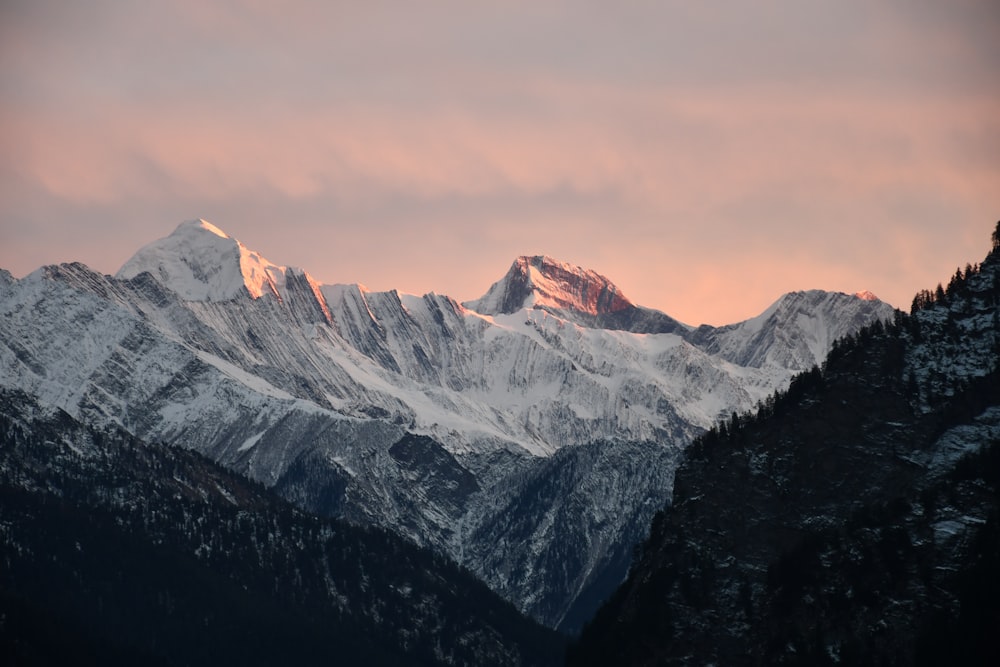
{"x": 113, "y": 551}
{"x": 528, "y": 435}
{"x": 852, "y": 520}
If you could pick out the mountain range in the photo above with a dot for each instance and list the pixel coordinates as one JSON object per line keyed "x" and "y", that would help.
{"x": 529, "y": 435}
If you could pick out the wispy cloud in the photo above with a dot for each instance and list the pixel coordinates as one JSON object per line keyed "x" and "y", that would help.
{"x": 705, "y": 159}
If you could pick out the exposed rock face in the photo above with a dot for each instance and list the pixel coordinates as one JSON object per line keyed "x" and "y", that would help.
{"x": 413, "y": 413}
{"x": 543, "y": 282}
{"x": 575, "y": 294}
{"x": 573, "y": 504}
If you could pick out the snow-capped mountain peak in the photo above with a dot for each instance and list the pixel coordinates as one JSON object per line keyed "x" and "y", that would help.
{"x": 201, "y": 223}
{"x": 200, "y": 262}
{"x": 543, "y": 282}
{"x": 865, "y": 295}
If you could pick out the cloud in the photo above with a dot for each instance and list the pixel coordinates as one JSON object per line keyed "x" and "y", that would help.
{"x": 809, "y": 140}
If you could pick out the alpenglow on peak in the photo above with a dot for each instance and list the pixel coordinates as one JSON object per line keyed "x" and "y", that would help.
{"x": 542, "y": 282}
{"x": 865, "y": 295}
{"x": 200, "y": 262}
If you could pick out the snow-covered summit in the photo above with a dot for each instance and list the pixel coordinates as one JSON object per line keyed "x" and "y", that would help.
{"x": 796, "y": 331}
{"x": 865, "y": 295}
{"x": 548, "y": 284}
{"x": 200, "y": 262}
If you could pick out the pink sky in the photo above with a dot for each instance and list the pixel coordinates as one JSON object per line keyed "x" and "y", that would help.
{"x": 705, "y": 160}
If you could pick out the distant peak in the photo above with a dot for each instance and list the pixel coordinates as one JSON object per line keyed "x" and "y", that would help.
{"x": 539, "y": 281}
{"x": 865, "y": 295}
{"x": 200, "y": 262}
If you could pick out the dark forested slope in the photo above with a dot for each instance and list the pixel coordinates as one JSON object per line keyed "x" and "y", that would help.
{"x": 852, "y": 520}
{"x": 113, "y": 551}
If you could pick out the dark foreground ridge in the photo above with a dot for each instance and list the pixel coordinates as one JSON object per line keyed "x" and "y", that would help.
{"x": 119, "y": 552}
{"x": 853, "y": 520}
